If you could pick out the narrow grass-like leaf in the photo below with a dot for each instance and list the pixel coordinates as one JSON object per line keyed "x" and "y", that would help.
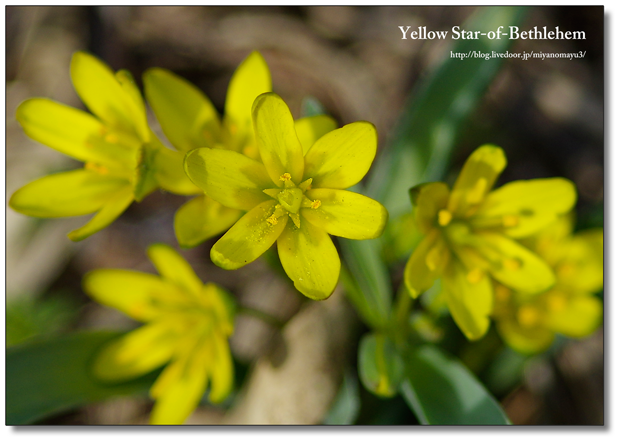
{"x": 437, "y": 108}
{"x": 440, "y": 390}
{"x": 47, "y": 377}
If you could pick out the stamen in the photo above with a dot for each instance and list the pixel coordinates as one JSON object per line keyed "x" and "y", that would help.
{"x": 475, "y": 276}
{"x": 556, "y": 302}
{"x": 315, "y": 204}
{"x": 272, "y": 220}
{"x": 102, "y": 170}
{"x": 273, "y": 192}
{"x": 527, "y": 316}
{"x": 444, "y": 217}
{"x": 285, "y": 177}
{"x": 511, "y": 264}
{"x": 510, "y": 220}
{"x": 502, "y": 294}
{"x": 111, "y": 138}
{"x": 296, "y": 219}
{"x": 566, "y": 270}
{"x": 433, "y": 258}
{"x": 306, "y": 185}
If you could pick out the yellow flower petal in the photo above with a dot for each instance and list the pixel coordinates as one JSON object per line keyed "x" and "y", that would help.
{"x": 136, "y": 353}
{"x": 202, "y": 218}
{"x": 128, "y": 84}
{"x": 102, "y": 93}
{"x": 514, "y": 265}
{"x": 525, "y": 340}
{"x": 222, "y": 370}
{"x": 174, "y": 268}
{"x": 312, "y": 128}
{"x": 251, "y": 79}
{"x": 310, "y": 259}
{"x": 73, "y": 193}
{"x": 222, "y": 305}
{"x": 579, "y": 318}
{"x": 581, "y": 265}
{"x": 72, "y": 132}
{"x": 187, "y": 382}
{"x": 111, "y": 210}
{"x": 278, "y": 145}
{"x": 186, "y": 115}
{"x": 346, "y": 214}
{"x": 426, "y": 263}
{"x": 169, "y": 171}
{"x": 228, "y": 177}
{"x": 470, "y": 301}
{"x": 428, "y": 200}
{"x": 342, "y": 157}
{"x": 528, "y": 206}
{"x": 133, "y": 293}
{"x": 250, "y": 237}
{"x": 476, "y": 179}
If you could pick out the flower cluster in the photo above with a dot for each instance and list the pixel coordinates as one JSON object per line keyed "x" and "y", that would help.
{"x": 528, "y": 323}
{"x": 470, "y": 232}
{"x": 263, "y": 178}
{"x": 189, "y": 121}
{"x": 123, "y": 160}
{"x": 295, "y": 195}
{"x": 187, "y": 327}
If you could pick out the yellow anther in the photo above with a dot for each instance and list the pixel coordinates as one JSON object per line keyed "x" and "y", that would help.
{"x": 433, "y": 258}
{"x": 111, "y": 138}
{"x": 512, "y": 264}
{"x": 444, "y": 217}
{"x": 566, "y": 270}
{"x": 102, "y": 170}
{"x": 476, "y": 194}
{"x": 285, "y": 177}
{"x": 315, "y": 204}
{"x": 273, "y": 220}
{"x": 556, "y": 302}
{"x": 510, "y": 220}
{"x": 502, "y": 294}
{"x": 475, "y": 276}
{"x": 528, "y": 316}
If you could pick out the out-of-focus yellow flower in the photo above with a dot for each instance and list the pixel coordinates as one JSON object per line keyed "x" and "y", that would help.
{"x": 469, "y": 232}
{"x": 295, "y": 195}
{"x": 187, "y": 326}
{"x": 190, "y": 121}
{"x": 124, "y": 160}
{"x": 529, "y": 323}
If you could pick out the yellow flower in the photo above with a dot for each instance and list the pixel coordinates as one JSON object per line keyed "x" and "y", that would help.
{"x": 188, "y": 325}
{"x": 529, "y": 323}
{"x": 189, "y": 121}
{"x": 124, "y": 161}
{"x": 469, "y": 232}
{"x": 295, "y": 196}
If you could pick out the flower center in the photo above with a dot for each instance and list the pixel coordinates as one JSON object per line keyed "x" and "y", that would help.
{"x": 290, "y": 199}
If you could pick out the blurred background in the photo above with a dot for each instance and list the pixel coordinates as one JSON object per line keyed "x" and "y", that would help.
{"x": 547, "y": 115}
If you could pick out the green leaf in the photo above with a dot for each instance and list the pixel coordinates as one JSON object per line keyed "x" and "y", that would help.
{"x": 428, "y": 129}
{"x": 346, "y": 406}
{"x": 440, "y": 390}
{"x": 29, "y": 317}
{"x": 48, "y": 377}
{"x": 380, "y": 366}
{"x": 367, "y": 282}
